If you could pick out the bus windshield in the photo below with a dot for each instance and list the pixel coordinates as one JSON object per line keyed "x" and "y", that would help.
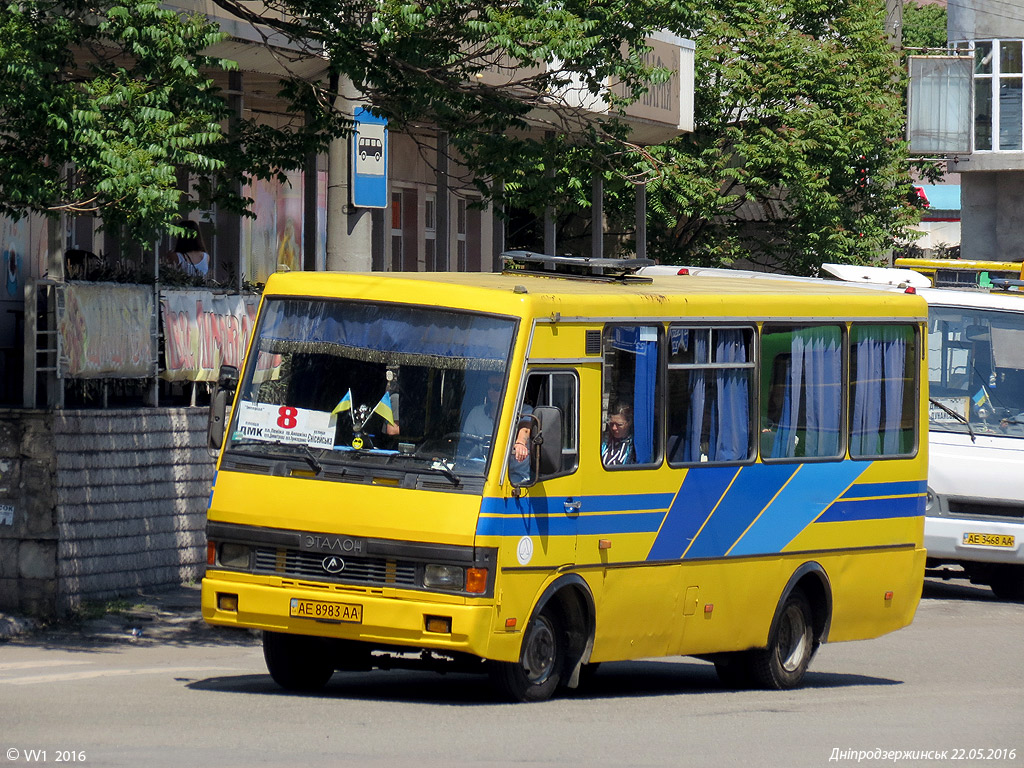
{"x": 976, "y": 370}
{"x": 375, "y": 385}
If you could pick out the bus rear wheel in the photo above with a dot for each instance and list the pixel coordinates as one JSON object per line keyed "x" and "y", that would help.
{"x": 790, "y": 647}
{"x": 297, "y": 662}
{"x": 538, "y": 673}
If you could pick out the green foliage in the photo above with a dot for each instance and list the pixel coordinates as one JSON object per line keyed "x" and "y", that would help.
{"x": 797, "y": 157}
{"x": 799, "y": 125}
{"x": 924, "y": 27}
{"x": 101, "y": 107}
{"x": 475, "y": 70}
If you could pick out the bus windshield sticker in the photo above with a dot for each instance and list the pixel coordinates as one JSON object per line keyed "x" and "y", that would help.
{"x": 284, "y": 423}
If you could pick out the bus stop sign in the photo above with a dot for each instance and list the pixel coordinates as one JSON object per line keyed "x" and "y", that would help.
{"x": 369, "y": 160}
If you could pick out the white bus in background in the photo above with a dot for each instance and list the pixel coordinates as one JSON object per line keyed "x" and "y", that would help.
{"x": 975, "y": 514}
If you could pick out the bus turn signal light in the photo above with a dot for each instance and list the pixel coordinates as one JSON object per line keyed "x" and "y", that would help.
{"x": 227, "y": 602}
{"x": 476, "y": 581}
{"x": 440, "y": 624}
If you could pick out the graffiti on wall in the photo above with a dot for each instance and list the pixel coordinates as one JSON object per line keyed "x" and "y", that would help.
{"x": 106, "y": 331}
{"x": 203, "y": 331}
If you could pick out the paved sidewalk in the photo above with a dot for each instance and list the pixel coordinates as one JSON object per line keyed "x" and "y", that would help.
{"x": 172, "y": 615}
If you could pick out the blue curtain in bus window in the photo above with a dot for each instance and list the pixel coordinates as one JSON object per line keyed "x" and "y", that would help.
{"x": 732, "y": 434}
{"x": 697, "y": 387}
{"x": 815, "y": 383}
{"x": 895, "y": 362}
{"x": 644, "y": 394}
{"x": 642, "y": 342}
{"x": 878, "y": 390}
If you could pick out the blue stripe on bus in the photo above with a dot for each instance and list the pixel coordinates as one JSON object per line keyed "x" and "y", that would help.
{"x": 633, "y": 501}
{"x": 814, "y": 488}
{"x": 701, "y": 490}
{"x": 874, "y": 509}
{"x": 751, "y": 492}
{"x": 564, "y": 525}
{"x": 904, "y": 488}
{"x": 713, "y": 510}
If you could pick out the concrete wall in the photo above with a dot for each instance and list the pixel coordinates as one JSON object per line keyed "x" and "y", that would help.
{"x": 983, "y": 20}
{"x": 992, "y": 208}
{"x": 28, "y": 514}
{"x": 105, "y": 503}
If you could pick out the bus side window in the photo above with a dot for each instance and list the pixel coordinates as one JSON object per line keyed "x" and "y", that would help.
{"x": 631, "y": 396}
{"x": 883, "y": 396}
{"x": 801, "y": 398}
{"x": 557, "y": 389}
{"x": 710, "y": 395}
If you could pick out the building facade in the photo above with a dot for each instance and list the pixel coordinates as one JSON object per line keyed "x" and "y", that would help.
{"x": 992, "y": 174}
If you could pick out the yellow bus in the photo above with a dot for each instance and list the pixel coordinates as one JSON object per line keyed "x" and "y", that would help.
{"x": 533, "y": 472}
{"x": 965, "y": 273}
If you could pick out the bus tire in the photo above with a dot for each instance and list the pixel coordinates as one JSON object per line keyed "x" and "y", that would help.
{"x": 296, "y": 662}
{"x": 791, "y": 646}
{"x": 1007, "y": 582}
{"x": 538, "y": 673}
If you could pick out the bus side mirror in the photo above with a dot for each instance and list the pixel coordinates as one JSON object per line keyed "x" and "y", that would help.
{"x": 545, "y": 448}
{"x": 227, "y": 382}
{"x": 547, "y": 438}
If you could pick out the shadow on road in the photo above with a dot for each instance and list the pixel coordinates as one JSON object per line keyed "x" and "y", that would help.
{"x": 957, "y": 589}
{"x": 627, "y": 679}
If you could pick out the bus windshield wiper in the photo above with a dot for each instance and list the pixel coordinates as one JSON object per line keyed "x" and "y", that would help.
{"x": 436, "y": 465}
{"x": 958, "y": 416}
{"x": 306, "y": 455}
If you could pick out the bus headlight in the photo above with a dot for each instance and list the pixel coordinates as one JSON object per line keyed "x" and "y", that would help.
{"x": 234, "y": 555}
{"x": 444, "y": 576}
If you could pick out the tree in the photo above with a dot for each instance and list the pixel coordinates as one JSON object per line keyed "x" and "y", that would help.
{"x": 104, "y": 104}
{"x": 924, "y": 27}
{"x": 797, "y": 157}
{"x": 800, "y": 124}
{"x": 491, "y": 76}
{"x": 101, "y": 107}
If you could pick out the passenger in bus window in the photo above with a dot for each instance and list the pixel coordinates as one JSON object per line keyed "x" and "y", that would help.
{"x": 617, "y": 441}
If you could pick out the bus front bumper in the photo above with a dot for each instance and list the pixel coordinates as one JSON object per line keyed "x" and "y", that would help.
{"x": 380, "y": 619}
{"x": 982, "y": 541}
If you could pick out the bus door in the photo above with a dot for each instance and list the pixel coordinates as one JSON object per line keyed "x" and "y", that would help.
{"x": 551, "y": 500}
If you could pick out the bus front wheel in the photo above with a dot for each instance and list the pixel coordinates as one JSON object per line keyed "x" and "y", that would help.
{"x": 296, "y": 662}
{"x": 538, "y": 673}
{"x": 790, "y": 647}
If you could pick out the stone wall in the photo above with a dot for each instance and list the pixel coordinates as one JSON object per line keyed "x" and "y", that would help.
{"x": 105, "y": 503}
{"x": 28, "y": 514}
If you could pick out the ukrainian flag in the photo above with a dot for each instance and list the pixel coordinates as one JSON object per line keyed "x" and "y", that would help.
{"x": 384, "y": 409}
{"x": 980, "y": 397}
{"x": 345, "y": 404}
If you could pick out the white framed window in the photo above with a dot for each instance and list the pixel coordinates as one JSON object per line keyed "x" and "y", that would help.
{"x": 998, "y": 91}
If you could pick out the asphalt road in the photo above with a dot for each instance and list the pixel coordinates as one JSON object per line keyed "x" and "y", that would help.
{"x": 177, "y": 693}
